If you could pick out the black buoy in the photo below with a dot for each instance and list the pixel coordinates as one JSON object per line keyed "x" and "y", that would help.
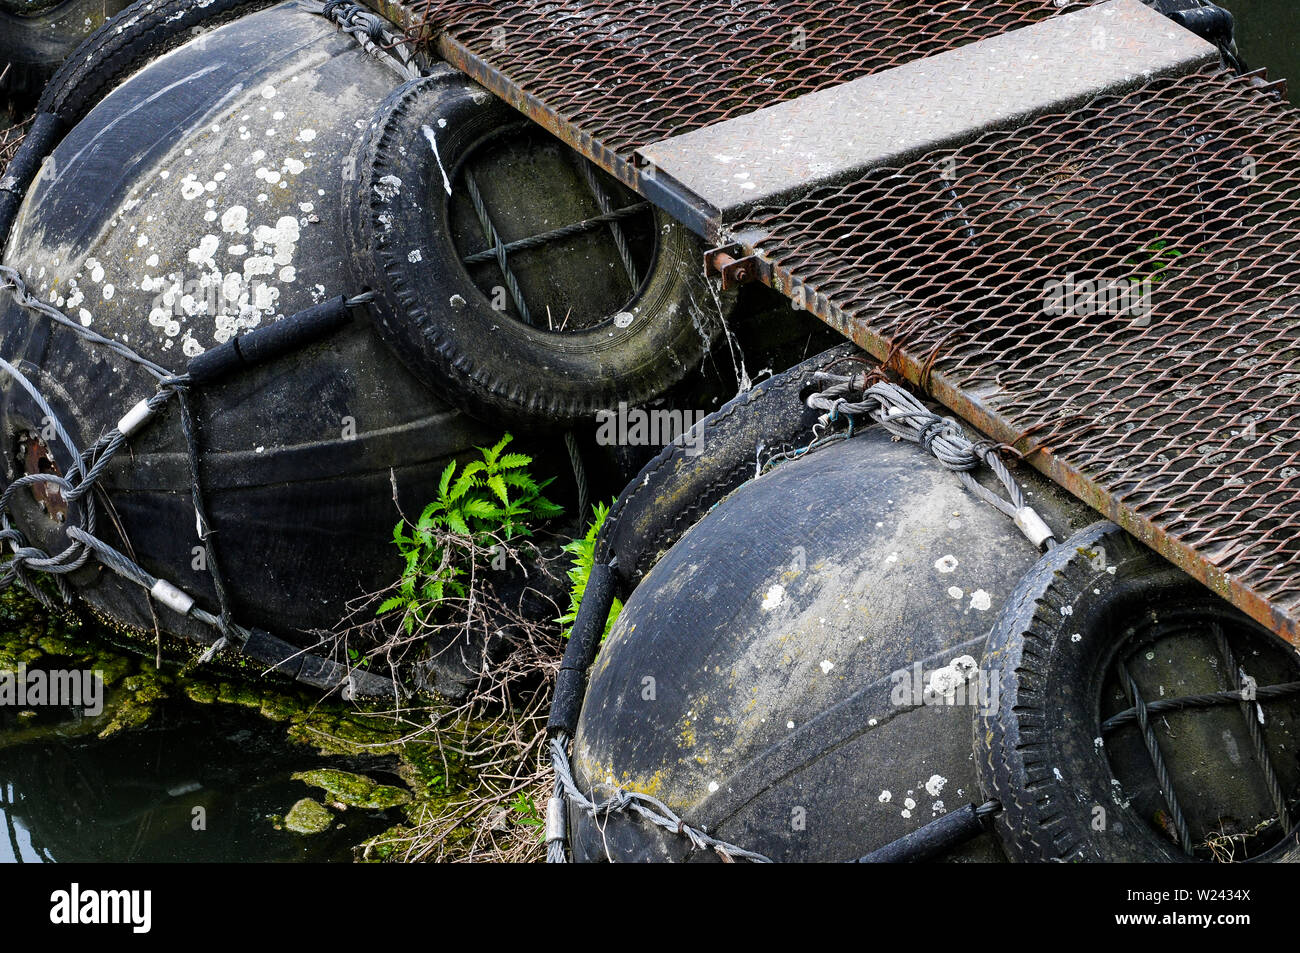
{"x": 798, "y": 674}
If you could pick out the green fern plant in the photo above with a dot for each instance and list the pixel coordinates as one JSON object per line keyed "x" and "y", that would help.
{"x": 490, "y": 501}
{"x": 583, "y": 552}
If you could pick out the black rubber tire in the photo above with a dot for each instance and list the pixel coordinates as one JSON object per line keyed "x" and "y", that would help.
{"x": 488, "y": 366}
{"x": 1036, "y": 753}
{"x": 141, "y": 32}
{"x": 675, "y": 489}
{"x": 34, "y": 44}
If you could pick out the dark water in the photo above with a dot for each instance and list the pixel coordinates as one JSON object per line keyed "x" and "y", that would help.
{"x": 1268, "y": 35}
{"x": 67, "y": 796}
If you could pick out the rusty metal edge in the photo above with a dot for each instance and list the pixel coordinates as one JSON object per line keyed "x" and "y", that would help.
{"x": 986, "y": 420}
{"x": 663, "y": 192}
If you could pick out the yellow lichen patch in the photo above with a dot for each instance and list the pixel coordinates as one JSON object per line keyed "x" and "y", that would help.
{"x": 687, "y": 735}
{"x": 606, "y": 773}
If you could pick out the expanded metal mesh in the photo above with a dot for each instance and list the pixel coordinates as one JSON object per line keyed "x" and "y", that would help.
{"x": 627, "y": 73}
{"x": 1180, "y": 422}
{"x": 1172, "y": 401}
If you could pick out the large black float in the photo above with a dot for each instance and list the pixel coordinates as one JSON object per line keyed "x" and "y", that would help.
{"x": 852, "y": 656}
{"x": 284, "y": 231}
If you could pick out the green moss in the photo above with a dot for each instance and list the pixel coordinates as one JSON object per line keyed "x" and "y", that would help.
{"x": 330, "y": 732}
{"x": 53, "y": 645}
{"x": 239, "y": 693}
{"x": 132, "y": 712}
{"x": 278, "y": 707}
{"x": 112, "y": 668}
{"x": 204, "y": 693}
{"x": 308, "y": 817}
{"x": 384, "y": 846}
{"x": 354, "y": 790}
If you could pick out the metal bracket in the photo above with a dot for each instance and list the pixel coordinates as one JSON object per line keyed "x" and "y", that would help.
{"x": 1259, "y": 79}
{"x": 722, "y": 261}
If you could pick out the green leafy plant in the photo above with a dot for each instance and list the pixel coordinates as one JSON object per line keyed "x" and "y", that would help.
{"x": 484, "y": 505}
{"x": 1153, "y": 260}
{"x": 583, "y": 552}
{"x": 527, "y": 813}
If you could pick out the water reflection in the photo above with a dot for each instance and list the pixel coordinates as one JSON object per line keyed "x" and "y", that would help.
{"x": 196, "y": 784}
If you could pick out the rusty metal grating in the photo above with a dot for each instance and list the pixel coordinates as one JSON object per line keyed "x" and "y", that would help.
{"x": 1182, "y": 424}
{"x": 611, "y": 76}
{"x": 1177, "y": 415}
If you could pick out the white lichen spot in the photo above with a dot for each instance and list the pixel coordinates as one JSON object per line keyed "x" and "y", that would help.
{"x": 955, "y": 592}
{"x": 713, "y": 786}
{"x": 414, "y": 256}
{"x": 203, "y": 255}
{"x": 773, "y": 597}
{"x": 826, "y": 666}
{"x": 981, "y": 600}
{"x": 108, "y": 291}
{"x": 191, "y": 188}
{"x": 934, "y": 786}
{"x": 387, "y": 187}
{"x": 946, "y": 563}
{"x": 885, "y": 797}
{"x": 306, "y": 135}
{"x": 255, "y": 265}
{"x": 268, "y": 91}
{"x": 945, "y": 681}
{"x": 1067, "y": 610}
{"x": 909, "y": 803}
{"x": 234, "y": 220}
